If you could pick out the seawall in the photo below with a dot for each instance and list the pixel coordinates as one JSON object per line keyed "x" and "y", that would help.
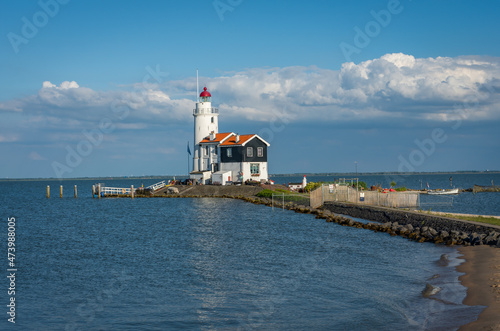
{"x": 416, "y": 219}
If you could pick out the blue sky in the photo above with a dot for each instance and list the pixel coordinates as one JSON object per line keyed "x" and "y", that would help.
{"x": 107, "y": 88}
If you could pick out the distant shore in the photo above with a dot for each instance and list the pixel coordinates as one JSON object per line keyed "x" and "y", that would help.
{"x": 482, "y": 279}
{"x": 336, "y": 174}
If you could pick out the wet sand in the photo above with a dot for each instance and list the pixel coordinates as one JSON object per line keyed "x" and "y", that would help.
{"x": 482, "y": 279}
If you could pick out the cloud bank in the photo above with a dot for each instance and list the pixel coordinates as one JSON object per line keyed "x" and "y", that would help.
{"x": 144, "y": 127}
{"x": 392, "y": 86}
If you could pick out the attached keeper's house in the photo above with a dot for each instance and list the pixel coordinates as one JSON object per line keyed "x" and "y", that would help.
{"x": 222, "y": 158}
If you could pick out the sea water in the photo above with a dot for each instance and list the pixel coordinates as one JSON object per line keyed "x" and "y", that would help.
{"x": 208, "y": 263}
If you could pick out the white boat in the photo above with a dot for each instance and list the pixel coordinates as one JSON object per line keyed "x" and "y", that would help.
{"x": 443, "y": 192}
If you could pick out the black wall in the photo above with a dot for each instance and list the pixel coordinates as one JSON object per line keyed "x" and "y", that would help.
{"x": 240, "y": 152}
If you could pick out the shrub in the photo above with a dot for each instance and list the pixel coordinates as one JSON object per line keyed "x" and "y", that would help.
{"x": 401, "y": 189}
{"x": 361, "y": 185}
{"x": 266, "y": 193}
{"x": 311, "y": 186}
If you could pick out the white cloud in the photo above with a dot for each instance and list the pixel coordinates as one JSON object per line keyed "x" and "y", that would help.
{"x": 36, "y": 156}
{"x": 8, "y": 138}
{"x": 394, "y": 85}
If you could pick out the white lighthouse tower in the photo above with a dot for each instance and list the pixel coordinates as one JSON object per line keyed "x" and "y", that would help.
{"x": 206, "y": 122}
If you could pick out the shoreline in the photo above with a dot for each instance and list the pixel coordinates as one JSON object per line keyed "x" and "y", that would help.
{"x": 482, "y": 280}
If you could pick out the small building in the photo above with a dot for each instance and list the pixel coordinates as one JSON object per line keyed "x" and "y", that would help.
{"x": 298, "y": 186}
{"x": 222, "y": 158}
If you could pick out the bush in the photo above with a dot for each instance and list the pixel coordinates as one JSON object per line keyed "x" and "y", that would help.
{"x": 311, "y": 186}
{"x": 361, "y": 185}
{"x": 401, "y": 189}
{"x": 266, "y": 193}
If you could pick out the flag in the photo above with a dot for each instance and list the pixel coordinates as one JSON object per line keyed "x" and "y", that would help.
{"x": 189, "y": 151}
{"x": 427, "y": 185}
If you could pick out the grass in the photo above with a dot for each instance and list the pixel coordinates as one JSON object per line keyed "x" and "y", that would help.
{"x": 481, "y": 219}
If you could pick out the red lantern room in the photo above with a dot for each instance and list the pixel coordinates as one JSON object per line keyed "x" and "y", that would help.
{"x": 205, "y": 95}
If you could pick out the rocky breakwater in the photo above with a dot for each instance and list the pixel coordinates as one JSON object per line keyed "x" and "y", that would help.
{"x": 422, "y": 227}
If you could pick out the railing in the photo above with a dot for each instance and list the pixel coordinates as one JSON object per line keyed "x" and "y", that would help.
{"x": 115, "y": 191}
{"x": 157, "y": 186}
{"x": 210, "y": 110}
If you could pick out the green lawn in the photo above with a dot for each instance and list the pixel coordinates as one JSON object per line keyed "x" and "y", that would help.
{"x": 489, "y": 220}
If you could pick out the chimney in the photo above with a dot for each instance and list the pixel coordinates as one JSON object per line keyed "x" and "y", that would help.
{"x": 212, "y": 135}
{"x": 237, "y": 138}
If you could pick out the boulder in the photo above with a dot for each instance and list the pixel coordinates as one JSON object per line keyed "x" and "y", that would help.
{"x": 491, "y": 238}
{"x": 387, "y": 225}
{"x": 444, "y": 234}
{"x": 443, "y": 260}
{"x": 432, "y": 232}
{"x": 173, "y": 190}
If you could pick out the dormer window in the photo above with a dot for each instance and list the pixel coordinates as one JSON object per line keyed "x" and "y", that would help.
{"x": 249, "y": 151}
{"x": 260, "y": 151}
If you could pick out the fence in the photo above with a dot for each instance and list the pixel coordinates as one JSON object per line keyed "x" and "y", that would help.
{"x": 296, "y": 199}
{"x": 157, "y": 186}
{"x": 335, "y": 192}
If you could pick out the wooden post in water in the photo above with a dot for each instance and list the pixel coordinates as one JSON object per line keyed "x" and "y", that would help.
{"x": 99, "y": 191}
{"x": 93, "y": 191}
{"x": 132, "y": 191}
{"x": 61, "y": 191}
{"x": 48, "y": 191}
{"x": 76, "y": 192}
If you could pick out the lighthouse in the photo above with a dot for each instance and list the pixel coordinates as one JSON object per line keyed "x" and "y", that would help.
{"x": 206, "y": 123}
{"x": 228, "y": 157}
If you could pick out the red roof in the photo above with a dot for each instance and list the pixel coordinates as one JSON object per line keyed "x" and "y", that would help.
{"x": 205, "y": 93}
{"x": 243, "y": 139}
{"x": 218, "y": 137}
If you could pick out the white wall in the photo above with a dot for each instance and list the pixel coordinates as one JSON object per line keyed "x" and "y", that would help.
{"x": 263, "y": 171}
{"x": 234, "y": 167}
{"x": 202, "y": 127}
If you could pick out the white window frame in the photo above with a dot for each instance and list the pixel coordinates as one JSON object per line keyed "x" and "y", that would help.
{"x": 249, "y": 151}
{"x": 260, "y": 151}
{"x": 229, "y": 152}
{"x": 252, "y": 168}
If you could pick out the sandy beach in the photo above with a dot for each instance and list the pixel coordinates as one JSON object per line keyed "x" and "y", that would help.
{"x": 482, "y": 279}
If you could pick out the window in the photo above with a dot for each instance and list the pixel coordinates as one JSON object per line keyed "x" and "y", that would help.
{"x": 229, "y": 152}
{"x": 250, "y": 151}
{"x": 260, "y": 151}
{"x": 206, "y": 150}
{"x": 254, "y": 169}
{"x": 212, "y": 119}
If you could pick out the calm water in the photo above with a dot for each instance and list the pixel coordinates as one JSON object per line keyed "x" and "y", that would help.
{"x": 159, "y": 264}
